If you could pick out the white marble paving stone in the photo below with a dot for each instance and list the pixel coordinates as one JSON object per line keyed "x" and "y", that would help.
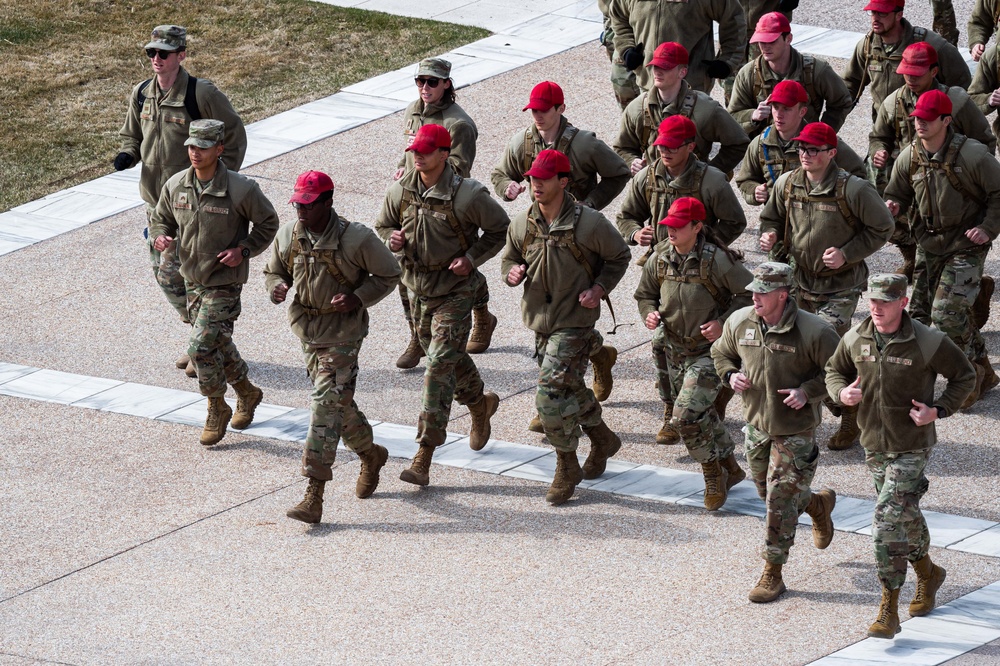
{"x": 118, "y": 184}
{"x": 397, "y": 84}
{"x": 31, "y": 227}
{"x": 192, "y": 414}
{"x": 494, "y": 16}
{"x": 294, "y": 126}
{"x": 265, "y": 413}
{"x": 11, "y": 371}
{"x": 261, "y": 147}
{"x": 339, "y": 113}
{"x": 909, "y": 648}
{"x": 614, "y": 469}
{"x": 139, "y": 400}
{"x": 292, "y": 426}
{"x": 55, "y": 386}
{"x": 849, "y": 515}
{"x": 505, "y": 48}
{"x": 585, "y": 10}
{"x": 398, "y": 439}
{"x": 801, "y": 33}
{"x": 77, "y": 207}
{"x": 665, "y": 485}
{"x": 832, "y": 44}
{"x": 986, "y": 542}
{"x": 945, "y": 627}
{"x": 980, "y": 607}
{"x": 742, "y": 499}
{"x": 495, "y": 458}
{"x": 558, "y": 29}
{"x": 540, "y": 469}
{"x": 7, "y": 246}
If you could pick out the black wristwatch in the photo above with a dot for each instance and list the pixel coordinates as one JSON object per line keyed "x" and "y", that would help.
{"x": 245, "y": 252}
{"x": 729, "y": 375}
{"x": 940, "y": 412}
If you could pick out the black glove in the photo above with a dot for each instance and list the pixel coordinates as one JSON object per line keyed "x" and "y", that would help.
{"x": 633, "y": 57}
{"x": 787, "y": 5}
{"x": 123, "y": 161}
{"x": 717, "y": 69}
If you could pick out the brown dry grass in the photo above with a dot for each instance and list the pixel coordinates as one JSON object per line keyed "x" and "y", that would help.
{"x": 69, "y": 66}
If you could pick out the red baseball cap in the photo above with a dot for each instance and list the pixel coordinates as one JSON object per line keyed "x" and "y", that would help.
{"x": 429, "y": 138}
{"x": 544, "y": 96}
{"x": 789, "y": 93}
{"x": 684, "y": 211}
{"x": 884, "y": 6}
{"x": 770, "y": 27}
{"x": 675, "y": 131}
{"x": 549, "y": 164}
{"x": 669, "y": 55}
{"x": 932, "y": 105}
{"x": 918, "y": 58}
{"x": 309, "y": 185}
{"x": 818, "y": 134}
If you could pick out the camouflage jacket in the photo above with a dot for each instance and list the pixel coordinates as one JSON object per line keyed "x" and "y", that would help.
{"x": 440, "y": 224}
{"x": 155, "y": 133}
{"x": 217, "y": 220}
{"x": 905, "y": 370}
{"x": 345, "y": 259}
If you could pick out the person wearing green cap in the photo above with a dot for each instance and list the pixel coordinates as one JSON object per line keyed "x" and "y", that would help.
{"x": 160, "y": 110}
{"x": 773, "y": 354}
{"x": 887, "y": 366}
{"x": 208, "y": 210}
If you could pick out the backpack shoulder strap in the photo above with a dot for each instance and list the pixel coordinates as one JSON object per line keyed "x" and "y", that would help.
{"x": 852, "y": 219}
{"x": 809, "y": 76}
{"x": 191, "y": 99}
{"x": 140, "y": 98}
{"x": 529, "y": 152}
{"x": 566, "y": 139}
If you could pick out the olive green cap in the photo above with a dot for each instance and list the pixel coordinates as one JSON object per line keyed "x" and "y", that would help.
{"x": 769, "y": 276}
{"x": 436, "y": 67}
{"x": 205, "y": 133}
{"x": 887, "y": 287}
{"x": 168, "y": 38}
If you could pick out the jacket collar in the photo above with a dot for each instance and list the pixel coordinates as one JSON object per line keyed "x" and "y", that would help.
{"x": 219, "y": 185}
{"x": 866, "y": 329}
{"x": 329, "y": 239}
{"x": 443, "y": 189}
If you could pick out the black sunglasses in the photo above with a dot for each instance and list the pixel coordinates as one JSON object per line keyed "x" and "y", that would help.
{"x": 429, "y": 81}
{"x": 152, "y": 53}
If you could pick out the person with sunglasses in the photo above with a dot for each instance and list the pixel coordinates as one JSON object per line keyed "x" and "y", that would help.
{"x": 880, "y": 51}
{"x": 827, "y": 222}
{"x": 339, "y": 269}
{"x": 436, "y": 105}
{"x": 160, "y": 111}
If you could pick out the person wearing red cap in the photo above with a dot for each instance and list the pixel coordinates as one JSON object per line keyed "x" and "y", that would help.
{"x": 339, "y": 269}
{"x": 894, "y": 129}
{"x": 589, "y": 157}
{"x": 432, "y": 219}
{"x": 219, "y": 220}
{"x": 953, "y": 182}
{"x": 829, "y": 100}
{"x": 669, "y": 96}
{"x": 688, "y": 288}
{"x": 982, "y": 24}
{"x": 828, "y": 222}
{"x": 774, "y": 151}
{"x": 436, "y": 106}
{"x": 568, "y": 257}
{"x": 639, "y": 22}
{"x": 880, "y": 51}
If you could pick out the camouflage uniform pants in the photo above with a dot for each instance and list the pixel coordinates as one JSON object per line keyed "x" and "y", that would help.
{"x": 782, "y": 469}
{"x": 696, "y": 384}
{"x": 443, "y": 326}
{"x": 943, "y": 294}
{"x": 334, "y": 375}
{"x": 213, "y": 312}
{"x": 564, "y": 402}
{"x": 944, "y": 20}
{"x": 836, "y": 309}
{"x": 623, "y": 81}
{"x": 482, "y": 299}
{"x": 167, "y": 273}
{"x": 663, "y": 384}
{"x": 899, "y": 530}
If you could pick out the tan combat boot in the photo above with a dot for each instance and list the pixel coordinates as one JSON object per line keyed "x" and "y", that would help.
{"x": 568, "y": 474}
{"x": 977, "y": 391}
{"x": 372, "y": 461}
{"x": 182, "y": 361}
{"x": 190, "y": 370}
{"x": 603, "y": 444}
{"x": 219, "y": 413}
{"x": 603, "y": 361}
{"x": 819, "y": 509}
{"x": 733, "y": 470}
{"x": 770, "y": 586}
{"x": 845, "y": 438}
{"x": 716, "y": 490}
{"x": 483, "y": 325}
{"x": 536, "y": 424}
{"x": 981, "y": 306}
{"x": 722, "y": 401}
{"x": 419, "y": 472}
{"x": 990, "y": 379}
{"x": 930, "y": 577}
{"x": 909, "y": 253}
{"x": 310, "y": 509}
{"x": 248, "y": 397}
{"x": 668, "y": 433}
{"x": 886, "y": 625}
{"x": 481, "y": 410}
{"x": 412, "y": 354}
